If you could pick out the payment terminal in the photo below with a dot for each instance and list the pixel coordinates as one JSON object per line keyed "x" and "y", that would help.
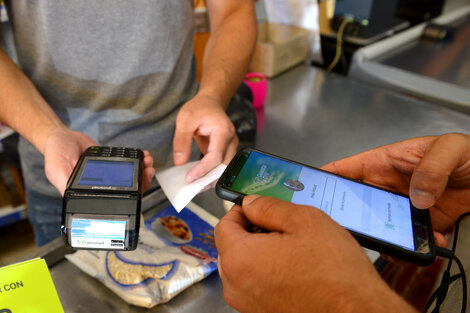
{"x": 102, "y": 202}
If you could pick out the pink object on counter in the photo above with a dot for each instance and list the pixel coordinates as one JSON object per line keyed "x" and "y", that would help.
{"x": 258, "y": 85}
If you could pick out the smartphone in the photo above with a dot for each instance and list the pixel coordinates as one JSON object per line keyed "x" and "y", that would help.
{"x": 381, "y": 220}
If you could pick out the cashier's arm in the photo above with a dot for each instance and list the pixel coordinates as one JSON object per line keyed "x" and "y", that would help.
{"x": 226, "y": 59}
{"x": 229, "y": 49}
{"x": 23, "y": 109}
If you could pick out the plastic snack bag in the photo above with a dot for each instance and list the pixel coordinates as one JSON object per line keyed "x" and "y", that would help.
{"x": 175, "y": 251}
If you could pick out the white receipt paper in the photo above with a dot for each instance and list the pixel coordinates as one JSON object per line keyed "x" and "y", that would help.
{"x": 177, "y": 190}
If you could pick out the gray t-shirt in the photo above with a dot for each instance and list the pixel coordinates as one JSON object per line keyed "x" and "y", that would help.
{"x": 116, "y": 70}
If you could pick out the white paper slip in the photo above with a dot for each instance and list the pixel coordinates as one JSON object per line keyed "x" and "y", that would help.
{"x": 177, "y": 190}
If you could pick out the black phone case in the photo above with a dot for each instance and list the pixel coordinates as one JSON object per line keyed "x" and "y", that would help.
{"x": 380, "y": 246}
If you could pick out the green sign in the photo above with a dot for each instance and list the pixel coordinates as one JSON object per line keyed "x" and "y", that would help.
{"x": 27, "y": 287}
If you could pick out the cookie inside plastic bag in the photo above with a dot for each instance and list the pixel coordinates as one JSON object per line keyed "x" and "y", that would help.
{"x": 175, "y": 251}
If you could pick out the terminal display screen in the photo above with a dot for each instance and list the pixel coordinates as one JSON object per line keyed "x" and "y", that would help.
{"x": 107, "y": 173}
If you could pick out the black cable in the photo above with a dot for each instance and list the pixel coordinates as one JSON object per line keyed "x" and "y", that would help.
{"x": 440, "y": 293}
{"x": 456, "y": 232}
{"x": 464, "y": 283}
{"x": 339, "y": 43}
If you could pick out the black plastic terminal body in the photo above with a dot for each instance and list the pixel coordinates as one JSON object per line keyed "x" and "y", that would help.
{"x": 105, "y": 201}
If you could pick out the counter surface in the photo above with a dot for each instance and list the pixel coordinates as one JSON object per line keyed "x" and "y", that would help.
{"x": 436, "y": 71}
{"x": 447, "y": 60}
{"x": 310, "y": 116}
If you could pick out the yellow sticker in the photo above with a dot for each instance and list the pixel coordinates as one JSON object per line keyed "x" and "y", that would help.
{"x": 27, "y": 287}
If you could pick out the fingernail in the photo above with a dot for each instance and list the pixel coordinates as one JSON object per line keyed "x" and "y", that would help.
{"x": 248, "y": 199}
{"x": 189, "y": 179}
{"x": 178, "y": 155}
{"x": 422, "y": 199}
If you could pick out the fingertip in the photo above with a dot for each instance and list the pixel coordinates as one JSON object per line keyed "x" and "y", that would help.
{"x": 440, "y": 240}
{"x": 180, "y": 158}
{"x": 189, "y": 179}
{"x": 204, "y": 166}
{"x": 330, "y": 167}
{"x": 150, "y": 172}
{"x": 236, "y": 208}
{"x": 182, "y": 143}
{"x": 148, "y": 161}
{"x": 269, "y": 213}
{"x": 195, "y": 173}
{"x": 147, "y": 155}
{"x": 249, "y": 199}
{"x": 441, "y": 158}
{"x": 191, "y": 175}
{"x": 422, "y": 199}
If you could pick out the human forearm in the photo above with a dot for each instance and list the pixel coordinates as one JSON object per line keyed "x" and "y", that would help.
{"x": 22, "y": 107}
{"x": 229, "y": 49}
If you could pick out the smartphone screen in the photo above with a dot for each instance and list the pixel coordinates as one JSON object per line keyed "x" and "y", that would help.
{"x": 361, "y": 208}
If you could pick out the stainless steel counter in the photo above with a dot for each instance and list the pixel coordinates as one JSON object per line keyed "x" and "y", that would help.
{"x": 447, "y": 60}
{"x": 316, "y": 117}
{"x": 310, "y": 116}
{"x": 432, "y": 70}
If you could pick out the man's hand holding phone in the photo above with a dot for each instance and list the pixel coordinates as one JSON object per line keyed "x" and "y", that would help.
{"x": 301, "y": 265}
{"x": 307, "y": 258}
{"x": 434, "y": 171}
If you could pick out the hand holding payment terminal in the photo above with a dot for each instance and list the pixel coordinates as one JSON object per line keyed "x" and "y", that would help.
{"x": 101, "y": 204}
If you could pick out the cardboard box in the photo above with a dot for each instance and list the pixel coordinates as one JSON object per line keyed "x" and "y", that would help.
{"x": 279, "y": 47}
{"x": 326, "y": 10}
